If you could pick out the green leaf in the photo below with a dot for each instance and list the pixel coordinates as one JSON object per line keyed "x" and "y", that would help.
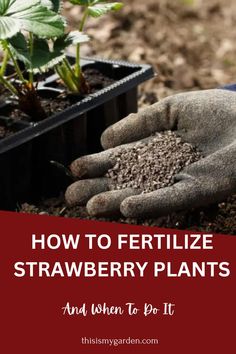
{"x": 41, "y": 53}
{"x": 76, "y": 37}
{"x": 57, "y": 5}
{"x": 42, "y": 59}
{"x": 73, "y": 38}
{"x": 92, "y": 3}
{"x": 101, "y": 9}
{"x": 42, "y": 22}
{"x": 47, "y": 3}
{"x": 30, "y": 15}
{"x": 54, "y": 5}
{"x": 19, "y": 48}
{"x": 8, "y": 27}
{"x": 81, "y": 2}
{"x": 4, "y": 6}
{"x": 15, "y": 6}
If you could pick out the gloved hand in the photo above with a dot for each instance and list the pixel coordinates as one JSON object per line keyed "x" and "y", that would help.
{"x": 206, "y": 119}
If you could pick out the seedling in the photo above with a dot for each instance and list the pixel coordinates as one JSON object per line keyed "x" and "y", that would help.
{"x": 72, "y": 76}
{"x": 25, "y": 29}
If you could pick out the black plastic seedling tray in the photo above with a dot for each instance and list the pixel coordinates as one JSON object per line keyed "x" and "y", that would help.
{"x": 26, "y": 171}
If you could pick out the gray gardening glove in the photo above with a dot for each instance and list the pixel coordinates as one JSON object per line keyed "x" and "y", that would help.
{"x": 205, "y": 119}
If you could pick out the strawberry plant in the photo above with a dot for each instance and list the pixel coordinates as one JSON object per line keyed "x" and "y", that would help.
{"x": 25, "y": 30}
{"x": 33, "y": 32}
{"x": 72, "y": 76}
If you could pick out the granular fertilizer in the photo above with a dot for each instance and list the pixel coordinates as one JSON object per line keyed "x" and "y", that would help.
{"x": 152, "y": 165}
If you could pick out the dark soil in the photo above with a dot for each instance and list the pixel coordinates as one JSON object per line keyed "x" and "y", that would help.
{"x": 50, "y": 105}
{"x": 4, "y": 94}
{"x": 5, "y": 132}
{"x": 218, "y": 218}
{"x": 96, "y": 80}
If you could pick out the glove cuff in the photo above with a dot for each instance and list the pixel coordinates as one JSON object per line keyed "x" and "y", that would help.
{"x": 230, "y": 87}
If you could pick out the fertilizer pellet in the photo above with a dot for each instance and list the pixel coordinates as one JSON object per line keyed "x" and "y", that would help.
{"x": 152, "y": 165}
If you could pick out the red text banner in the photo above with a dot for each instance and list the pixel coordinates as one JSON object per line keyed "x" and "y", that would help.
{"x": 72, "y": 286}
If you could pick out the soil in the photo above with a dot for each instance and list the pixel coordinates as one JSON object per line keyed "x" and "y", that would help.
{"x": 5, "y": 132}
{"x": 95, "y": 81}
{"x": 190, "y": 43}
{"x": 50, "y": 105}
{"x": 4, "y": 95}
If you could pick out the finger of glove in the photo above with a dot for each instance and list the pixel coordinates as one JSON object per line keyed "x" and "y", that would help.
{"x": 90, "y": 166}
{"x": 140, "y": 125}
{"x": 80, "y": 192}
{"x": 96, "y": 165}
{"x": 108, "y": 203}
{"x": 181, "y": 196}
